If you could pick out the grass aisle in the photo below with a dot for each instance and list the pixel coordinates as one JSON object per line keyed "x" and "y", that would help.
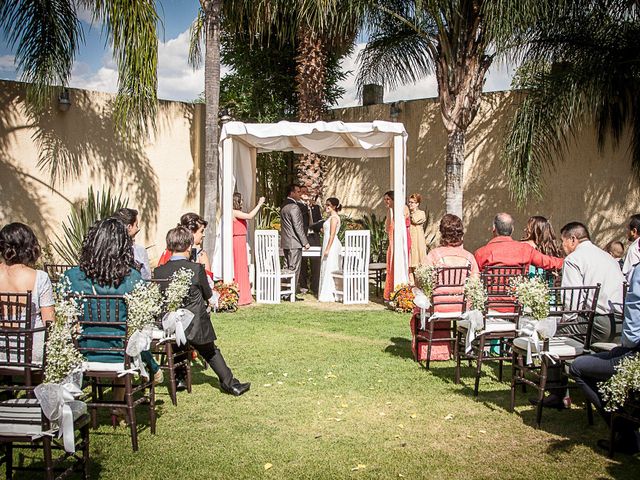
{"x": 335, "y": 394}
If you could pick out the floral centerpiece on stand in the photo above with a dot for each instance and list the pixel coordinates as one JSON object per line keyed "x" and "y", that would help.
{"x": 228, "y": 296}
{"x": 625, "y": 383}
{"x": 401, "y": 299}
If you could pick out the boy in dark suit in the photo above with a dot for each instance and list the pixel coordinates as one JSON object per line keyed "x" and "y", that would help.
{"x": 200, "y": 333}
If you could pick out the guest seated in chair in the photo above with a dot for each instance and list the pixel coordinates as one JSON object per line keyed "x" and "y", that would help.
{"x": 20, "y": 250}
{"x": 200, "y": 333}
{"x": 588, "y": 370}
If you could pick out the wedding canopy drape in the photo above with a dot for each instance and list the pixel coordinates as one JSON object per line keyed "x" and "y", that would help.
{"x": 240, "y": 142}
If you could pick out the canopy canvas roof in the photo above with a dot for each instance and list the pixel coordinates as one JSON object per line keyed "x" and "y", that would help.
{"x": 241, "y": 142}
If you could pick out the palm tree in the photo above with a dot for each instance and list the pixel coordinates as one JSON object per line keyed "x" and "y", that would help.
{"x": 580, "y": 67}
{"x": 47, "y": 34}
{"x": 457, "y": 40}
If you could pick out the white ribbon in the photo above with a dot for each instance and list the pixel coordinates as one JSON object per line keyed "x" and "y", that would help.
{"x": 423, "y": 302}
{"x": 139, "y": 342}
{"x": 177, "y": 322}
{"x": 214, "y": 301}
{"x": 535, "y": 331}
{"x": 58, "y": 403}
{"x": 474, "y": 320}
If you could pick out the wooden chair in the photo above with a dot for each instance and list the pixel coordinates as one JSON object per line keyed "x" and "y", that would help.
{"x": 574, "y": 308}
{"x": 55, "y": 271}
{"x": 269, "y": 277}
{"x": 616, "y": 325}
{"x": 171, "y": 357}
{"x": 16, "y": 338}
{"x": 100, "y": 325}
{"x": 22, "y": 422}
{"x": 447, "y": 305}
{"x": 499, "y": 322}
{"x": 352, "y": 282}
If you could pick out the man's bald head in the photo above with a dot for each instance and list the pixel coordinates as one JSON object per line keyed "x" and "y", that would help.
{"x": 503, "y": 224}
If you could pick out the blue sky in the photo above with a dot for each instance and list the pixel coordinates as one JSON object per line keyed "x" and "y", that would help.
{"x": 95, "y": 70}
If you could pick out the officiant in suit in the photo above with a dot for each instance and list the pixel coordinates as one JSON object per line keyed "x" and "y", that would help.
{"x": 312, "y": 216}
{"x": 293, "y": 235}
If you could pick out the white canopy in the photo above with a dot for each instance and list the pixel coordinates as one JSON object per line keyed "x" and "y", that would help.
{"x": 240, "y": 142}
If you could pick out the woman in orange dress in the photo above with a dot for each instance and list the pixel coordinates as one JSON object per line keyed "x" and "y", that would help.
{"x": 240, "y": 261}
{"x": 388, "y": 200}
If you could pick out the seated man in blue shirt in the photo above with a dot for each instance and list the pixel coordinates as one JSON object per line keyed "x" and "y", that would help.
{"x": 589, "y": 370}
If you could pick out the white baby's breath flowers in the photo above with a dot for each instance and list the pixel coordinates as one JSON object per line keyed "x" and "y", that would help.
{"x": 144, "y": 304}
{"x": 425, "y": 276}
{"x": 475, "y": 293}
{"x": 533, "y": 295}
{"x": 626, "y": 380}
{"x": 62, "y": 355}
{"x": 178, "y": 289}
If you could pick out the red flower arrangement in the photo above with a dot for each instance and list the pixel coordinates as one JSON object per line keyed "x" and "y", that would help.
{"x": 228, "y": 301}
{"x": 402, "y": 299}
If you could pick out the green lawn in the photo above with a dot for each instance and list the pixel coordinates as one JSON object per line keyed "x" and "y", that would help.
{"x": 335, "y": 394}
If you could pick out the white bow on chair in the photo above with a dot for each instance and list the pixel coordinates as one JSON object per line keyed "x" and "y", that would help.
{"x": 423, "y": 302}
{"x": 536, "y": 330}
{"x": 475, "y": 320}
{"x": 58, "y": 403}
{"x": 177, "y": 322}
{"x": 139, "y": 342}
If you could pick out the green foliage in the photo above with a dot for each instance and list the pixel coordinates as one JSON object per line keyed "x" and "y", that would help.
{"x": 623, "y": 384}
{"x": 379, "y": 239}
{"x": 268, "y": 218}
{"x": 83, "y": 215}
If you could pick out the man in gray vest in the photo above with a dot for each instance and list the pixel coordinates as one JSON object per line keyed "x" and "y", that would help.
{"x": 293, "y": 235}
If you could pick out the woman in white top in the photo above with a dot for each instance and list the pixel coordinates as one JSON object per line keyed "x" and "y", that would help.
{"x": 20, "y": 250}
{"x": 331, "y": 248}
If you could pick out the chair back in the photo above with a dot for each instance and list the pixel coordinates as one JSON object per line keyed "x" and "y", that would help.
{"x": 55, "y": 271}
{"x": 575, "y": 308}
{"x": 448, "y": 293}
{"x": 267, "y": 254}
{"x": 16, "y": 336}
{"x": 102, "y": 331}
{"x": 355, "y": 266}
{"x": 497, "y": 278}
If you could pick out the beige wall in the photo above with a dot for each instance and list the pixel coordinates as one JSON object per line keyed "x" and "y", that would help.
{"x": 588, "y": 186}
{"x": 160, "y": 177}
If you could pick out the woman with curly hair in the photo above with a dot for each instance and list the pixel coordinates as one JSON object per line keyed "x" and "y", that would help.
{"x": 107, "y": 267}
{"x": 20, "y": 250}
{"x": 450, "y": 253}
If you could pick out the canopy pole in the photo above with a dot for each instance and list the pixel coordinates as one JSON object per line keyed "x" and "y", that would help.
{"x": 400, "y": 253}
{"x": 227, "y": 210}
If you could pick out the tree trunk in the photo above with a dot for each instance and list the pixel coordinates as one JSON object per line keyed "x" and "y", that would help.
{"x": 455, "y": 171}
{"x": 310, "y": 79}
{"x": 212, "y": 99}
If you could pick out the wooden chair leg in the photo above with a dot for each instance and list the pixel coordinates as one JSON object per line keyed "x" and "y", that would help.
{"x": 152, "y": 408}
{"x": 131, "y": 414}
{"x": 589, "y": 407}
{"x": 476, "y": 388}
{"x": 514, "y": 380}
{"x": 429, "y": 343}
{"x": 541, "y": 388}
{"x": 500, "y": 362}
{"x": 187, "y": 366}
{"x": 94, "y": 397}
{"x": 9, "y": 460}
{"x": 48, "y": 458}
{"x": 168, "y": 348}
{"x": 612, "y": 435}
{"x": 84, "y": 431}
{"x": 457, "y": 355}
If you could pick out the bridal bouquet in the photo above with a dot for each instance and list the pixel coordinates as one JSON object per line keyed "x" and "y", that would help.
{"x": 178, "y": 288}
{"x": 623, "y": 383}
{"x": 144, "y": 304}
{"x": 62, "y": 355}
{"x": 533, "y": 295}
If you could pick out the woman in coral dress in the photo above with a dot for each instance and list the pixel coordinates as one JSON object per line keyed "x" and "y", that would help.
{"x": 240, "y": 261}
{"x": 388, "y": 200}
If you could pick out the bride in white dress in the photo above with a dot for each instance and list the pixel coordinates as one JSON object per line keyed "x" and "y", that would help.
{"x": 331, "y": 248}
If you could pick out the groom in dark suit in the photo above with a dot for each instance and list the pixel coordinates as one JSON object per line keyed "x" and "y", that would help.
{"x": 293, "y": 236}
{"x": 312, "y": 216}
{"x": 200, "y": 333}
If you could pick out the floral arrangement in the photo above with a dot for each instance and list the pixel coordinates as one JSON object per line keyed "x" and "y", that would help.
{"x": 62, "y": 355}
{"x": 626, "y": 380}
{"x": 229, "y": 296}
{"x": 533, "y": 295}
{"x": 144, "y": 305}
{"x": 475, "y": 293}
{"x": 177, "y": 289}
{"x": 402, "y": 299}
{"x": 425, "y": 276}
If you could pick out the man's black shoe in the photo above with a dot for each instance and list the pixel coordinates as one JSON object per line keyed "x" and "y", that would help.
{"x": 237, "y": 389}
{"x": 181, "y": 385}
{"x": 551, "y": 401}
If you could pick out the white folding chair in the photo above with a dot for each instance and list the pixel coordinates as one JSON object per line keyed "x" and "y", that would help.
{"x": 269, "y": 277}
{"x": 352, "y": 282}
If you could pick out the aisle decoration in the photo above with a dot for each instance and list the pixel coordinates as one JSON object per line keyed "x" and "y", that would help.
{"x": 177, "y": 319}
{"x": 476, "y": 297}
{"x": 402, "y": 299}
{"x": 144, "y": 304}
{"x": 227, "y": 297}
{"x": 63, "y": 368}
{"x": 425, "y": 276}
{"x": 533, "y": 294}
{"x": 624, "y": 384}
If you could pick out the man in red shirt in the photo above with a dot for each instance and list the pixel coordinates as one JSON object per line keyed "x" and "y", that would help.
{"x": 502, "y": 250}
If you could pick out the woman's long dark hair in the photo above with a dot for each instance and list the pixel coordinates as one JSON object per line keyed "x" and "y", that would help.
{"x": 107, "y": 253}
{"x": 540, "y": 232}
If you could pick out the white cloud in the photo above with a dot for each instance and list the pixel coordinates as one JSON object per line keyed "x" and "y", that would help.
{"x": 7, "y": 63}
{"x": 498, "y": 78}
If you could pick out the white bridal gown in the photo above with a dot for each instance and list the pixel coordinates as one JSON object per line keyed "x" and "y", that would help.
{"x": 329, "y": 264}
